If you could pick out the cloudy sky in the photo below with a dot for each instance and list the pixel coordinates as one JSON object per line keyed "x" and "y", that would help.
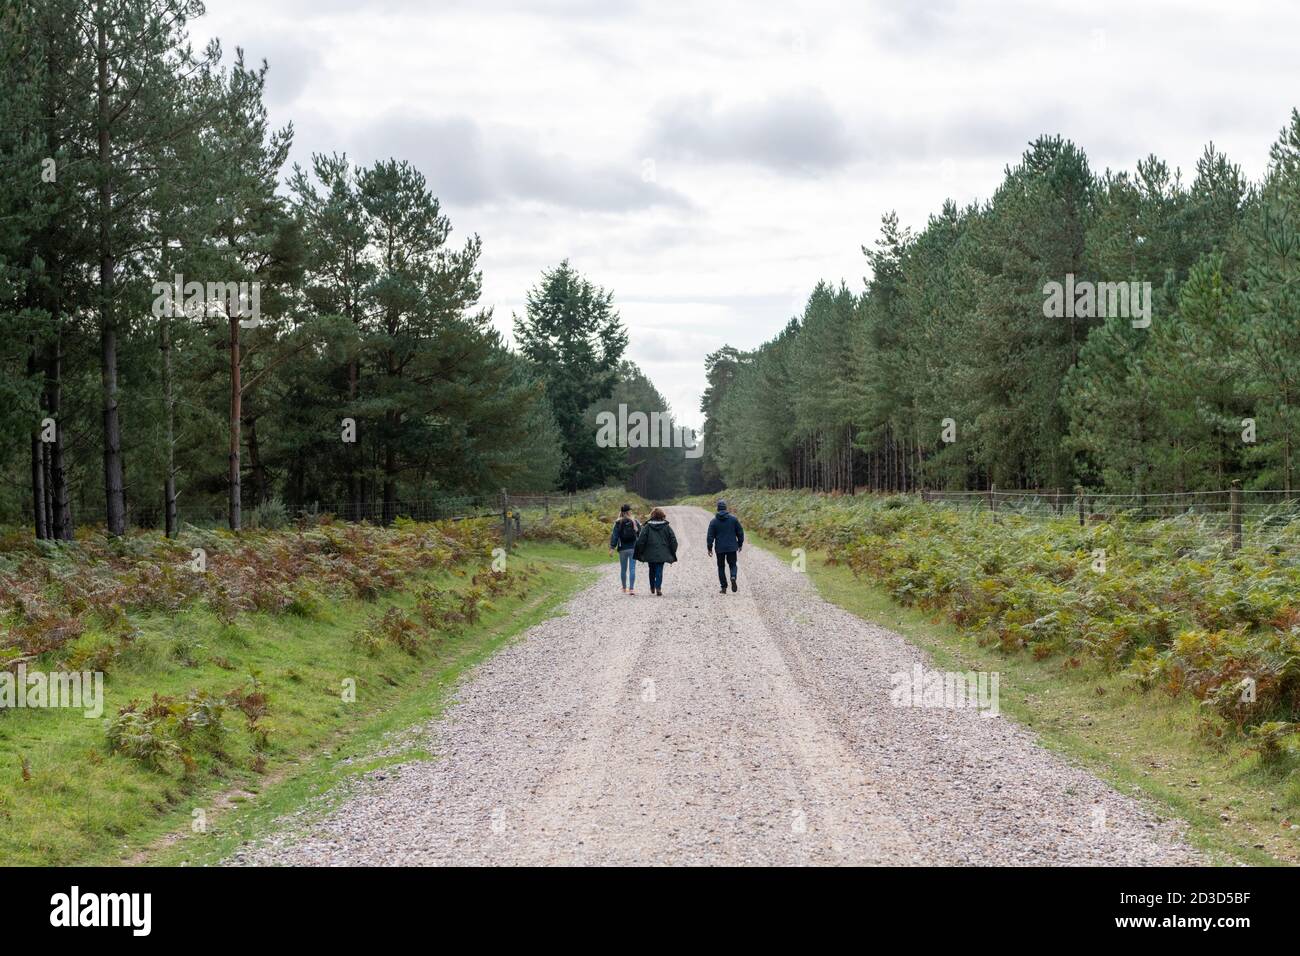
{"x": 710, "y": 162}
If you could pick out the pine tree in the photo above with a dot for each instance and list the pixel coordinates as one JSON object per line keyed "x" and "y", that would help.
{"x": 571, "y": 332}
{"x": 1272, "y": 310}
{"x": 141, "y": 69}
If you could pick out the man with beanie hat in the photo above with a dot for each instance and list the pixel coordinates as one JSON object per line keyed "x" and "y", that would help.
{"x": 726, "y": 537}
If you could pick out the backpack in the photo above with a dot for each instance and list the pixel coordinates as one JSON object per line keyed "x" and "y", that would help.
{"x": 627, "y": 532}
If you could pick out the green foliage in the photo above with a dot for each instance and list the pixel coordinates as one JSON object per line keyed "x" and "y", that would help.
{"x": 651, "y": 472}
{"x": 572, "y": 334}
{"x": 395, "y": 628}
{"x": 588, "y": 525}
{"x": 1221, "y": 627}
{"x": 270, "y": 515}
{"x": 96, "y": 584}
{"x": 169, "y": 729}
{"x": 369, "y": 309}
{"x": 582, "y": 530}
{"x": 92, "y": 798}
{"x": 858, "y": 390}
{"x": 1275, "y": 740}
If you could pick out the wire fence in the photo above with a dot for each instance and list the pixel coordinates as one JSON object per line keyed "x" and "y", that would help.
{"x": 545, "y": 502}
{"x": 503, "y": 506}
{"x": 274, "y": 514}
{"x": 1236, "y": 517}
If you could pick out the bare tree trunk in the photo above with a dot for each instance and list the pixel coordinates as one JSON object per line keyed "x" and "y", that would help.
{"x": 390, "y": 481}
{"x": 60, "y": 498}
{"x": 920, "y": 461}
{"x": 114, "y": 491}
{"x": 37, "y": 465}
{"x": 56, "y": 486}
{"x": 256, "y": 467}
{"x": 853, "y": 484}
{"x": 904, "y": 469}
{"x": 169, "y": 405}
{"x": 47, "y": 496}
{"x": 393, "y": 420}
{"x": 236, "y": 407}
{"x": 354, "y": 479}
{"x": 889, "y": 462}
{"x": 38, "y": 488}
{"x": 1286, "y": 480}
{"x": 299, "y": 483}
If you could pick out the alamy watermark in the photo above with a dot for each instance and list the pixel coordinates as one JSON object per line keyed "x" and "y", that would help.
{"x": 177, "y": 299}
{"x": 950, "y": 690}
{"x": 1098, "y": 300}
{"x": 641, "y": 430}
{"x": 77, "y": 690}
{"x": 75, "y": 908}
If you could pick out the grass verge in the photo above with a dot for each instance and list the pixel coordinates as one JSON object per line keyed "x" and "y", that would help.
{"x": 64, "y": 799}
{"x": 1148, "y": 745}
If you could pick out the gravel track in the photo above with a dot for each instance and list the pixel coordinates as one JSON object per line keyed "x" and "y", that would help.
{"x": 755, "y": 728}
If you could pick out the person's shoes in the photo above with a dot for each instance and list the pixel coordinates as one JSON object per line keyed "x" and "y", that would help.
{"x": 733, "y": 584}
{"x": 631, "y": 592}
{"x": 660, "y": 592}
{"x": 724, "y": 590}
{"x": 625, "y": 590}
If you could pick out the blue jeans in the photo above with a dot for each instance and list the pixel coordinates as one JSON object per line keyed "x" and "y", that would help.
{"x": 656, "y": 575}
{"x": 627, "y": 568}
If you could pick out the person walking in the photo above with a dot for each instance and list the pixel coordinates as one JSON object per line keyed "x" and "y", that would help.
{"x": 726, "y": 537}
{"x": 622, "y": 539}
{"x": 656, "y": 546}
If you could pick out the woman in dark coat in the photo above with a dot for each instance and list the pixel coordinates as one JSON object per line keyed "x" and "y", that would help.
{"x": 656, "y": 545}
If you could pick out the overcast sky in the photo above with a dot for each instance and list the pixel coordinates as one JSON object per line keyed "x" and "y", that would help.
{"x": 710, "y": 162}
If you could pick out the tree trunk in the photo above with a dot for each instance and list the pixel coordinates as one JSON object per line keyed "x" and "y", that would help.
{"x": 58, "y": 490}
{"x": 390, "y": 474}
{"x": 38, "y": 488}
{"x": 1286, "y": 400}
{"x": 114, "y": 492}
{"x": 57, "y": 483}
{"x": 47, "y": 497}
{"x": 299, "y": 483}
{"x": 354, "y": 479}
{"x": 169, "y": 405}
{"x": 236, "y": 408}
{"x": 256, "y": 467}
{"x": 37, "y": 464}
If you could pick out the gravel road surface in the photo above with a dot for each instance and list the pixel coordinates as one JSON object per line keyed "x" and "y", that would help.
{"x": 696, "y": 728}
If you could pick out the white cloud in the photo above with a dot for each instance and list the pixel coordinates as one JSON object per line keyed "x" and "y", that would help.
{"x": 779, "y": 133}
{"x": 469, "y": 166}
{"x": 791, "y": 132}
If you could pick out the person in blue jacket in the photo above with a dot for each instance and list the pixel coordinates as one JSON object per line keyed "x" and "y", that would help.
{"x": 726, "y": 537}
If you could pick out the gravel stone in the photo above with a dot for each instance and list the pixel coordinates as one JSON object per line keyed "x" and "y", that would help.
{"x": 754, "y": 728}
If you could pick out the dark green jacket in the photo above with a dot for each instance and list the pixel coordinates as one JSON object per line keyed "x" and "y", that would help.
{"x": 656, "y": 544}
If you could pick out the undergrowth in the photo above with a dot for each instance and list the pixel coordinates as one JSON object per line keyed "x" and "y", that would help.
{"x": 1165, "y": 606}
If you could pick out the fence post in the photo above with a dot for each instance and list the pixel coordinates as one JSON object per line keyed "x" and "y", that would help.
{"x": 1234, "y": 514}
{"x": 1078, "y": 494}
{"x": 993, "y": 501}
{"x": 505, "y": 519}
{"x": 546, "y": 504}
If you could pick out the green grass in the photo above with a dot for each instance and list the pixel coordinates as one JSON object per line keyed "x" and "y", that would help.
{"x": 83, "y": 805}
{"x": 564, "y": 554}
{"x": 1148, "y": 744}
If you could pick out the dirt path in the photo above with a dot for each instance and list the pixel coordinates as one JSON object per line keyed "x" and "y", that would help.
{"x": 698, "y": 728}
